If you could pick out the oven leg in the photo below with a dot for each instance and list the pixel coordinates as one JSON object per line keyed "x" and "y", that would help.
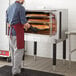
{"x": 23, "y": 59}
{"x": 35, "y": 49}
{"x": 64, "y": 51}
{"x": 69, "y": 51}
{"x": 54, "y": 56}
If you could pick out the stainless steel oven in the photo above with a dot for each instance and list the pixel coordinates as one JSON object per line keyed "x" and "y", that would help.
{"x": 49, "y": 22}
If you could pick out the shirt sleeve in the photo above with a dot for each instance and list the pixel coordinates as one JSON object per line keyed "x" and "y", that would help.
{"x": 6, "y": 17}
{"x": 23, "y": 15}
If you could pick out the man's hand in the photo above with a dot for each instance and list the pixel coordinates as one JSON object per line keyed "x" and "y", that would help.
{"x": 27, "y": 26}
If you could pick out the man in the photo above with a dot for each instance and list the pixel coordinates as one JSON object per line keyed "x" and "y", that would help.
{"x": 16, "y": 20}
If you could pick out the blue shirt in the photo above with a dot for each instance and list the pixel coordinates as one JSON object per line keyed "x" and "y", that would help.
{"x": 15, "y": 14}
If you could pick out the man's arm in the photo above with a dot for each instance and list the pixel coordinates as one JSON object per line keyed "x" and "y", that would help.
{"x": 23, "y": 19}
{"x": 22, "y": 14}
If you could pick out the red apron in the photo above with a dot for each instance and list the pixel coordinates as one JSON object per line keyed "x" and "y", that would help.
{"x": 19, "y": 35}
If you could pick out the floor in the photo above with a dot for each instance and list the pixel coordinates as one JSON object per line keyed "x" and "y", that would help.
{"x": 45, "y": 64}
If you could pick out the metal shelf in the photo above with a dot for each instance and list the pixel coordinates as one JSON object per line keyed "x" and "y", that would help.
{"x": 39, "y": 22}
{"x": 38, "y": 16}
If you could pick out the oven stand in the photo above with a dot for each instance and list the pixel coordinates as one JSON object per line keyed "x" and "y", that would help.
{"x": 54, "y": 56}
{"x": 35, "y": 50}
{"x": 55, "y": 53}
{"x": 64, "y": 51}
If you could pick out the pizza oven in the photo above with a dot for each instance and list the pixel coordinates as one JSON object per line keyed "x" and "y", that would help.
{"x": 49, "y": 22}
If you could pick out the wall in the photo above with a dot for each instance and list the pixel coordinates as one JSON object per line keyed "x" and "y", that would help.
{"x": 3, "y": 38}
{"x": 44, "y": 50}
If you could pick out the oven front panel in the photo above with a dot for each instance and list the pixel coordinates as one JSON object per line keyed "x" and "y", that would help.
{"x": 44, "y": 21}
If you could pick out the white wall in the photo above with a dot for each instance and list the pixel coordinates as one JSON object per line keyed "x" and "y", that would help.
{"x": 43, "y": 49}
{"x": 3, "y": 39}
